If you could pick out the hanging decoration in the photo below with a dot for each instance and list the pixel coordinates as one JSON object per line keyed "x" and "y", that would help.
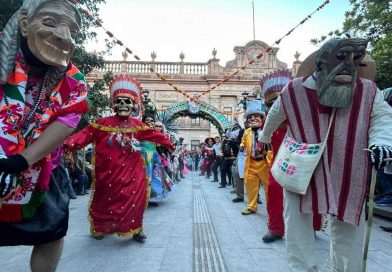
{"x": 99, "y": 23}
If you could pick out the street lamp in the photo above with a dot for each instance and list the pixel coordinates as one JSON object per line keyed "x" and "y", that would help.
{"x": 145, "y": 97}
{"x": 244, "y": 100}
{"x": 148, "y": 104}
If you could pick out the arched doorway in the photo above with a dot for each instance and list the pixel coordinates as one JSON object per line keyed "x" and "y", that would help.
{"x": 193, "y": 110}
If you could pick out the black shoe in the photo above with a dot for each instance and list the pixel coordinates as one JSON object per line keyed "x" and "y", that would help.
{"x": 214, "y": 180}
{"x": 153, "y": 204}
{"x": 140, "y": 237}
{"x": 237, "y": 199}
{"x": 97, "y": 237}
{"x": 229, "y": 183}
{"x": 387, "y": 229}
{"x": 233, "y": 192}
{"x": 182, "y": 177}
{"x": 72, "y": 197}
{"x": 222, "y": 186}
{"x": 259, "y": 201}
{"x": 270, "y": 238}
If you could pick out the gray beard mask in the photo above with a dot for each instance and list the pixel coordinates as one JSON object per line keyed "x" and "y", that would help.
{"x": 339, "y": 96}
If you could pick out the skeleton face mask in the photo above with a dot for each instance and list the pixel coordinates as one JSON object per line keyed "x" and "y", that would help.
{"x": 123, "y": 106}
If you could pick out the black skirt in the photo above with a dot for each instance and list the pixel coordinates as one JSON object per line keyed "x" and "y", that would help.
{"x": 50, "y": 222}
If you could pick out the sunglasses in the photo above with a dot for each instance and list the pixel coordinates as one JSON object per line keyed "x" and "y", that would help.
{"x": 158, "y": 126}
{"x": 125, "y": 100}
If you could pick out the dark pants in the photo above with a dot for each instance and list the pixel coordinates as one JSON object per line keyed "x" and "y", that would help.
{"x": 181, "y": 167}
{"x": 238, "y": 182}
{"x": 385, "y": 182}
{"x": 226, "y": 171}
{"x": 209, "y": 165}
{"x": 81, "y": 181}
{"x": 196, "y": 167}
{"x": 215, "y": 166}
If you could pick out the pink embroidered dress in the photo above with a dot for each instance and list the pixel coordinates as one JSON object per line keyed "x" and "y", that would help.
{"x": 26, "y": 110}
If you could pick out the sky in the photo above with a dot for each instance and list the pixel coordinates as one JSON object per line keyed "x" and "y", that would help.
{"x": 195, "y": 27}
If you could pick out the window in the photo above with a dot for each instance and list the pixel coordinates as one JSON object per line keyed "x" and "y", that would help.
{"x": 229, "y": 111}
{"x": 195, "y": 144}
{"x": 195, "y": 121}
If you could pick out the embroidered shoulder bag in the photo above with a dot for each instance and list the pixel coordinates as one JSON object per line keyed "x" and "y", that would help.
{"x": 296, "y": 161}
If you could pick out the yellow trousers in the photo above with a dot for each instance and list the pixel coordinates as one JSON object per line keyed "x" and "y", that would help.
{"x": 257, "y": 173}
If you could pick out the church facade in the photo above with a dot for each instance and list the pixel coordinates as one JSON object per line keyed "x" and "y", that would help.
{"x": 197, "y": 77}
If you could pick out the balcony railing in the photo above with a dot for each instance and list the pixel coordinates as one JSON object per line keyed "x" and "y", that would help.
{"x": 139, "y": 68}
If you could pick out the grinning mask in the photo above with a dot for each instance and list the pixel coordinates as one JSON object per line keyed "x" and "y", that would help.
{"x": 254, "y": 120}
{"x": 337, "y": 67}
{"x": 123, "y": 106}
{"x": 51, "y": 30}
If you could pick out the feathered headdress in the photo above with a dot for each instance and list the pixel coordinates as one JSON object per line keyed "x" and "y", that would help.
{"x": 272, "y": 84}
{"x": 125, "y": 85}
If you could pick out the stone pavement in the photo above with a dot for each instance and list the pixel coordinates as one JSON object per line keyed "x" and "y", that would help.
{"x": 197, "y": 229}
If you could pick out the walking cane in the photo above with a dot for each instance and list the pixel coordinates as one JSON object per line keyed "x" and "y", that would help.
{"x": 370, "y": 218}
{"x": 370, "y": 214}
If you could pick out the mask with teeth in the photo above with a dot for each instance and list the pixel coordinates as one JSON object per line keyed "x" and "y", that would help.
{"x": 123, "y": 106}
{"x": 337, "y": 66}
{"x": 51, "y": 30}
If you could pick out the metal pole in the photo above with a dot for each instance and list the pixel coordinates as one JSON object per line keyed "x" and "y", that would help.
{"x": 253, "y": 9}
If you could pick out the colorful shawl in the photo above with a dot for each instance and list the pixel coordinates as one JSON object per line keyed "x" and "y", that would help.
{"x": 69, "y": 96}
{"x": 153, "y": 171}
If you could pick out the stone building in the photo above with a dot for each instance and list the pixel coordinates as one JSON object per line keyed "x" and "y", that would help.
{"x": 198, "y": 77}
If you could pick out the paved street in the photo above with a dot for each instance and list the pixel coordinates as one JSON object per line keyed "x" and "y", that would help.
{"x": 197, "y": 229}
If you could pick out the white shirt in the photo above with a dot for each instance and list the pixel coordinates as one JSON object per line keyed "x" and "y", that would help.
{"x": 217, "y": 148}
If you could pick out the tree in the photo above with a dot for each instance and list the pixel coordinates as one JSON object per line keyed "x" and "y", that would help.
{"x": 82, "y": 59}
{"x": 98, "y": 100}
{"x": 371, "y": 19}
{"x": 8, "y": 7}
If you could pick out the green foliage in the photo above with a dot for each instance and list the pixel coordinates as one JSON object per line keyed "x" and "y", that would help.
{"x": 86, "y": 61}
{"x": 98, "y": 100}
{"x": 371, "y": 19}
{"x": 8, "y": 8}
{"x": 382, "y": 54}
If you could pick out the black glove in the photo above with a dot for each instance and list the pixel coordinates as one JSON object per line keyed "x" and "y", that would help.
{"x": 5, "y": 184}
{"x": 265, "y": 147}
{"x": 13, "y": 164}
{"x": 379, "y": 154}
